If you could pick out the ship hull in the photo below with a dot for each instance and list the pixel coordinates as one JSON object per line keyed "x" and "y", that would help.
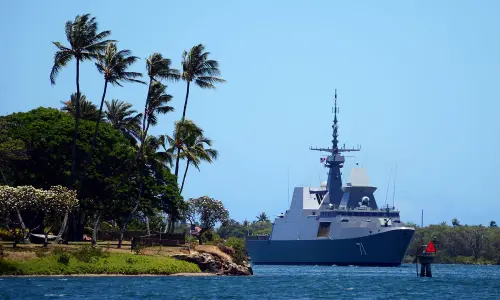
{"x": 382, "y": 249}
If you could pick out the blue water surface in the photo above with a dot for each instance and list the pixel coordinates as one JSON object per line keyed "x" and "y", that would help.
{"x": 273, "y": 282}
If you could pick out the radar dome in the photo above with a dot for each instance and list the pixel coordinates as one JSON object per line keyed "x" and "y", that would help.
{"x": 323, "y": 184}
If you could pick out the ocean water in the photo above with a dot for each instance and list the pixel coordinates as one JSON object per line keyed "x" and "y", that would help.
{"x": 273, "y": 282}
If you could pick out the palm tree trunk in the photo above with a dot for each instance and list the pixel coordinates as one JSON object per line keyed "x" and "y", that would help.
{"x": 63, "y": 227}
{"x": 73, "y": 151}
{"x": 142, "y": 139}
{"x": 184, "y": 178}
{"x": 127, "y": 220}
{"x": 96, "y": 228}
{"x": 77, "y": 121}
{"x": 94, "y": 138}
{"x": 185, "y": 102}
{"x": 23, "y": 227}
{"x": 148, "y": 232}
{"x": 182, "y": 121}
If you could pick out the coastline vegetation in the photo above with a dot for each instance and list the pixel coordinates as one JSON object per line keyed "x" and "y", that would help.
{"x": 459, "y": 244}
{"x": 89, "y": 260}
{"x": 118, "y": 176}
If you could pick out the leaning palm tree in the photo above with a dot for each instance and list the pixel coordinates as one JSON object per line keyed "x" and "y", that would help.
{"x": 122, "y": 117}
{"x": 204, "y": 72}
{"x": 113, "y": 65}
{"x": 197, "y": 68}
{"x": 182, "y": 129}
{"x": 151, "y": 160}
{"x": 158, "y": 68}
{"x": 85, "y": 42}
{"x": 88, "y": 111}
{"x": 194, "y": 152}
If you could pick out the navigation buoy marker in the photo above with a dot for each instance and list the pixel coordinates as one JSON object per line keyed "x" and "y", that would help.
{"x": 430, "y": 248}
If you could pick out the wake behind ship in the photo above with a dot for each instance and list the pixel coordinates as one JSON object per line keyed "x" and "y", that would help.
{"x": 334, "y": 224}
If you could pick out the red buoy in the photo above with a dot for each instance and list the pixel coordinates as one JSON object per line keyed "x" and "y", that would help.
{"x": 430, "y": 248}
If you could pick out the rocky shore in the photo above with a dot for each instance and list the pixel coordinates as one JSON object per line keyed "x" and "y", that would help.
{"x": 215, "y": 264}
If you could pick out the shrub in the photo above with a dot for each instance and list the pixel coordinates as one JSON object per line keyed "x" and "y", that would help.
{"x": 210, "y": 237}
{"x": 238, "y": 245}
{"x": 89, "y": 254}
{"x": 6, "y": 235}
{"x": 63, "y": 259}
{"x": 138, "y": 249}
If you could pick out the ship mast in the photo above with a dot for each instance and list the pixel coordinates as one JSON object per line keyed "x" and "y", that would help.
{"x": 335, "y": 161}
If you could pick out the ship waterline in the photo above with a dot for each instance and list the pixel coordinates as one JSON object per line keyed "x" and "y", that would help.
{"x": 382, "y": 249}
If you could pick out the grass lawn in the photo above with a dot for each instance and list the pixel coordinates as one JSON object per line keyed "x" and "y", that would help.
{"x": 85, "y": 260}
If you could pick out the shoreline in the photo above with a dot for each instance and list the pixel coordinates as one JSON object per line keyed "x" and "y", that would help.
{"x": 117, "y": 275}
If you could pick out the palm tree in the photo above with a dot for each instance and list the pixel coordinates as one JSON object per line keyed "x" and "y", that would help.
{"x": 197, "y": 68}
{"x": 113, "y": 65}
{"x": 158, "y": 68}
{"x": 151, "y": 161}
{"x": 122, "y": 117}
{"x": 262, "y": 217}
{"x": 85, "y": 42}
{"x": 88, "y": 111}
{"x": 177, "y": 142}
{"x": 195, "y": 152}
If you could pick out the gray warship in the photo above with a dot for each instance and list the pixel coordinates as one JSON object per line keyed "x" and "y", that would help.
{"x": 334, "y": 224}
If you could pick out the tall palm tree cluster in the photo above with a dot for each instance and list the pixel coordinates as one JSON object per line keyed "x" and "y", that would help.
{"x": 187, "y": 142}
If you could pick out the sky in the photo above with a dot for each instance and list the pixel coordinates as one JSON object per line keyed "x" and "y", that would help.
{"x": 417, "y": 86}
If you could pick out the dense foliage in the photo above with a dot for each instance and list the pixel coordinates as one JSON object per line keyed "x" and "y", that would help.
{"x": 460, "y": 244}
{"x": 206, "y": 212}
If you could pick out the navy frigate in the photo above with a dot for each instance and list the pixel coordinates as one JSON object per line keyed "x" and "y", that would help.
{"x": 334, "y": 224}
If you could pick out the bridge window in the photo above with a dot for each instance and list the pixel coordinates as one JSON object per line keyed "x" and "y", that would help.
{"x": 324, "y": 229}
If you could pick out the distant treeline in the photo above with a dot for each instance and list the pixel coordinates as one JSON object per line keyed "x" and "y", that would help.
{"x": 461, "y": 244}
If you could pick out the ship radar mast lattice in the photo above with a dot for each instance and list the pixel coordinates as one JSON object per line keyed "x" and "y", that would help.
{"x": 335, "y": 149}
{"x": 334, "y": 162}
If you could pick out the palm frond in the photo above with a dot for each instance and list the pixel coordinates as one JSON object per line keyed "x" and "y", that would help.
{"x": 61, "y": 59}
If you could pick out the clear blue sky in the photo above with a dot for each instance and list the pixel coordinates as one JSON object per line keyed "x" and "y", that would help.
{"x": 418, "y": 85}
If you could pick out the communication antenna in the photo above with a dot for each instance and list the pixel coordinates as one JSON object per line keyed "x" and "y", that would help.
{"x": 394, "y": 188}
{"x": 388, "y": 184}
{"x": 288, "y": 189}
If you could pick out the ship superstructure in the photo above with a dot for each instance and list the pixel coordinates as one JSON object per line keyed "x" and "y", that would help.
{"x": 334, "y": 223}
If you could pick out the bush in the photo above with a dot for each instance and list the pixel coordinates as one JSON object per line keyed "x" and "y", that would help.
{"x": 63, "y": 259}
{"x": 240, "y": 253}
{"x": 89, "y": 254}
{"x": 210, "y": 237}
{"x": 6, "y": 235}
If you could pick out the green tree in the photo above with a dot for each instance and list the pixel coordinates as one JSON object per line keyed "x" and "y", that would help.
{"x": 85, "y": 42}
{"x": 189, "y": 138}
{"x": 88, "y": 111}
{"x": 262, "y": 217}
{"x": 151, "y": 161}
{"x": 11, "y": 148}
{"x": 47, "y": 133}
{"x": 113, "y": 64}
{"x": 493, "y": 224}
{"x": 207, "y": 212}
{"x": 204, "y": 72}
{"x": 122, "y": 117}
{"x": 455, "y": 222}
